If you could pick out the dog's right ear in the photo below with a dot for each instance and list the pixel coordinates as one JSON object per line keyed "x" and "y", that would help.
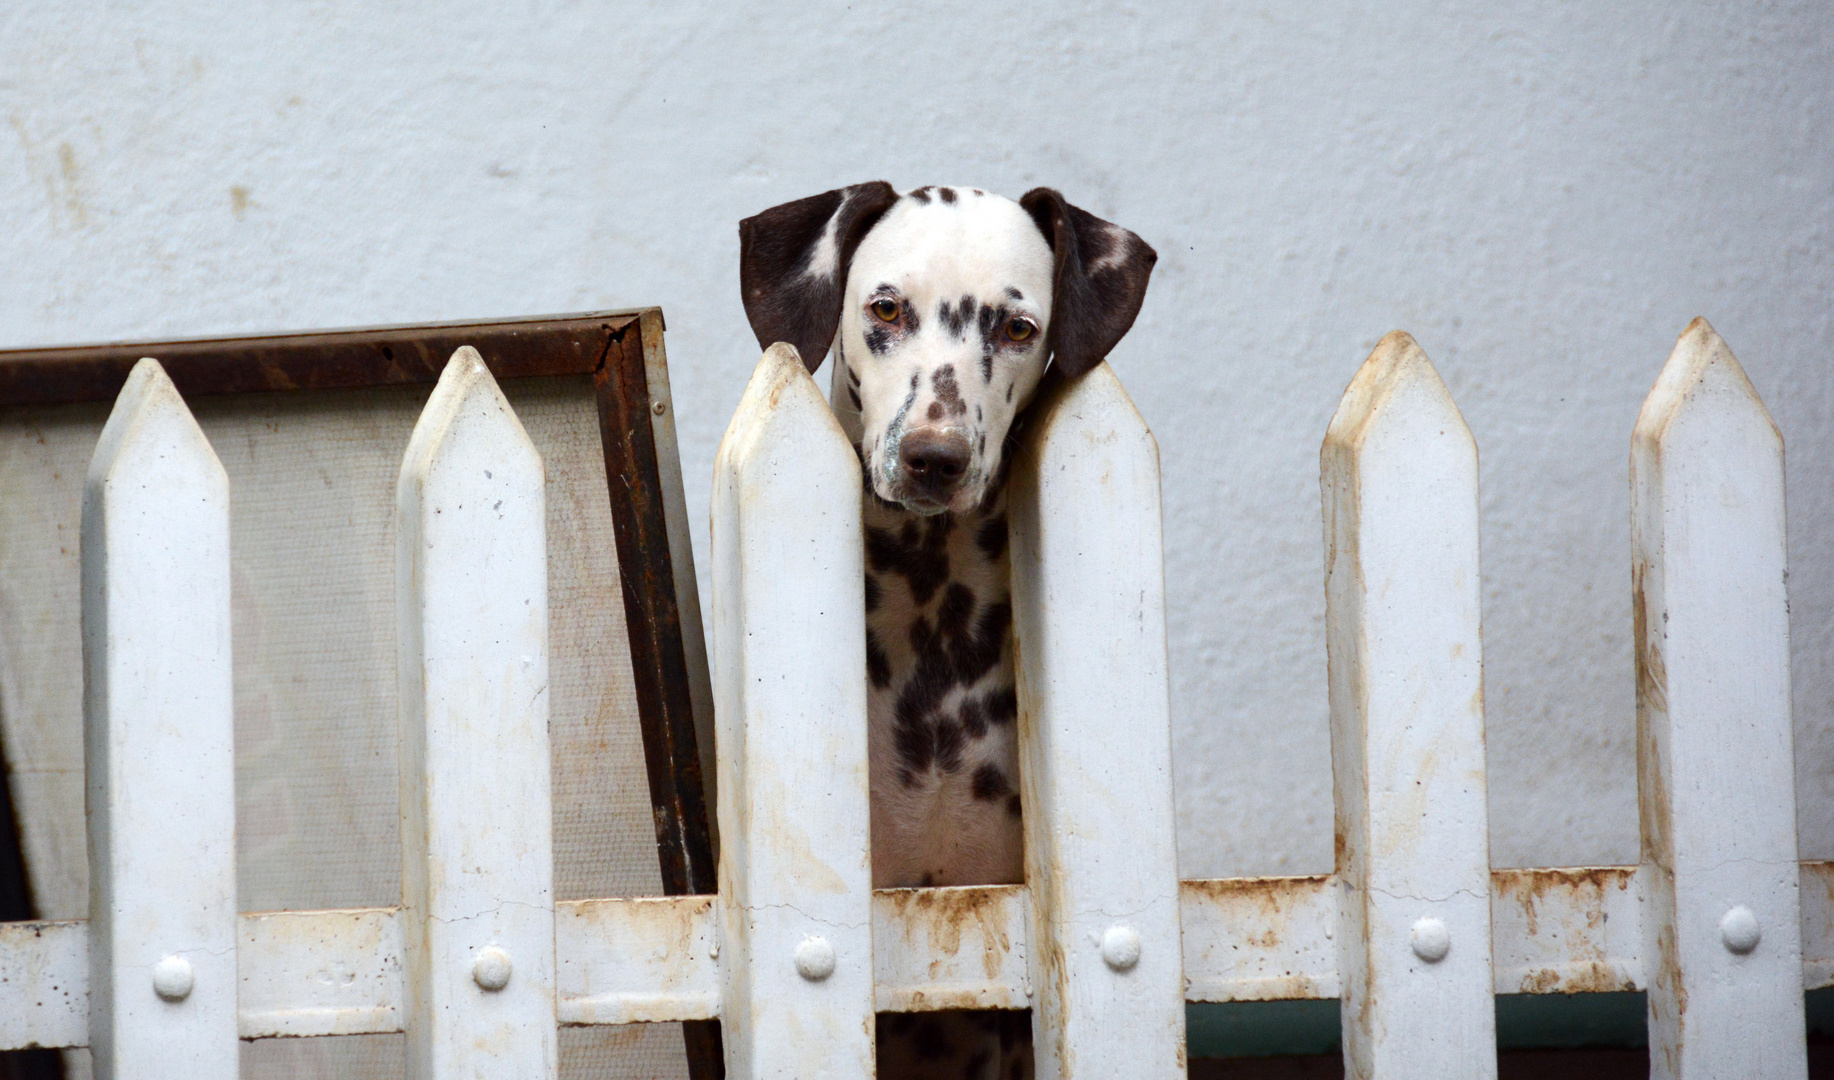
{"x": 793, "y": 264}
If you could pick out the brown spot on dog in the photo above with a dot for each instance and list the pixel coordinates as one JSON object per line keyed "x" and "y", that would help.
{"x": 991, "y": 538}
{"x": 989, "y": 783}
{"x": 878, "y": 665}
{"x": 948, "y": 393}
{"x": 918, "y": 553}
{"x": 957, "y": 650}
{"x": 974, "y": 719}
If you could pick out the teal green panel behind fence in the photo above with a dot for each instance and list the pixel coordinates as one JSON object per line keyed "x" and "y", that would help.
{"x": 1523, "y": 1021}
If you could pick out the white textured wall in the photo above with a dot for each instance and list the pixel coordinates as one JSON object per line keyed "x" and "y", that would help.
{"x": 1542, "y": 193}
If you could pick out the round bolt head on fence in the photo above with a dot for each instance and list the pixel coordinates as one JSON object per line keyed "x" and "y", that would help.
{"x": 815, "y": 958}
{"x": 1739, "y": 929}
{"x": 1121, "y": 947}
{"x": 1431, "y": 940}
{"x": 173, "y": 978}
{"x": 491, "y": 969}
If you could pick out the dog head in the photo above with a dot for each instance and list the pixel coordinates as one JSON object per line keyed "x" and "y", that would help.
{"x": 943, "y": 307}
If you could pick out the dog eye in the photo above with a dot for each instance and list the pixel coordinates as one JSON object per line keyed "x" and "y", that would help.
{"x": 886, "y": 309}
{"x": 1020, "y": 330}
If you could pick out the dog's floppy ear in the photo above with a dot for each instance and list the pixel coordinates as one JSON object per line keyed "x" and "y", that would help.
{"x": 1099, "y": 283}
{"x": 793, "y": 264}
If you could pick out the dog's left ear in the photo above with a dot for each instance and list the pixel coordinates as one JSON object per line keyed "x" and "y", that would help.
{"x": 1099, "y": 283}
{"x": 793, "y": 264}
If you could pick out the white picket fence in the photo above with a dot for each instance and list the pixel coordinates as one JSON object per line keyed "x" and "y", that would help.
{"x": 1414, "y": 933}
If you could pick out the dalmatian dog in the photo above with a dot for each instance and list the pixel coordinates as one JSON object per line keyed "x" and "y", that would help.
{"x": 944, "y": 308}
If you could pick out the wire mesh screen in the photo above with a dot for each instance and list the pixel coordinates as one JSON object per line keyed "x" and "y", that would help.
{"x": 312, "y": 481}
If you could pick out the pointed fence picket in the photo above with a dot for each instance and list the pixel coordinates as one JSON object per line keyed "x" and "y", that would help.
{"x": 158, "y": 732}
{"x": 476, "y": 852}
{"x": 1414, "y": 932}
{"x": 1716, "y": 774}
{"x": 1399, "y": 470}
{"x": 1095, "y": 734}
{"x": 789, "y": 653}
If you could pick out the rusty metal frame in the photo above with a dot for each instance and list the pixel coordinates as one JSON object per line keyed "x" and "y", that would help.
{"x": 623, "y": 353}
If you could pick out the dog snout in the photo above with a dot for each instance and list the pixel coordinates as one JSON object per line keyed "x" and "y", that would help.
{"x": 934, "y": 462}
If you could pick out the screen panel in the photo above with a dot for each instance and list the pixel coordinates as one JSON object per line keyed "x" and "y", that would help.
{"x": 312, "y": 476}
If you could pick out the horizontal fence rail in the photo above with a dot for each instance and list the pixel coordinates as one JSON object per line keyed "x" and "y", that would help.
{"x": 1413, "y": 933}
{"x": 1554, "y": 931}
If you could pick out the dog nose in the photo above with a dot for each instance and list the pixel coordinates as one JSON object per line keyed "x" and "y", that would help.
{"x": 933, "y": 461}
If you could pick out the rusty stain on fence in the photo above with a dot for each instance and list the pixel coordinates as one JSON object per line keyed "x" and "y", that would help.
{"x": 1566, "y": 942}
{"x": 1566, "y": 930}
{"x": 950, "y": 948}
{"x": 1259, "y": 939}
{"x": 940, "y": 916}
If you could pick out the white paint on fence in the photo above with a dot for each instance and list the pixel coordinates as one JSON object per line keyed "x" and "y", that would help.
{"x": 1714, "y": 757}
{"x": 1103, "y": 942}
{"x": 44, "y": 984}
{"x": 307, "y": 973}
{"x": 638, "y": 961}
{"x": 652, "y": 959}
{"x": 962, "y": 947}
{"x": 1567, "y": 931}
{"x": 1399, "y": 470}
{"x": 1095, "y": 738}
{"x": 789, "y": 683}
{"x": 477, "y": 874}
{"x": 159, "y": 743}
{"x": 1260, "y": 939}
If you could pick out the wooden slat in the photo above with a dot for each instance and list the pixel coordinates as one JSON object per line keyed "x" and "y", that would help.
{"x": 1817, "y": 899}
{"x": 1399, "y": 471}
{"x": 158, "y": 717}
{"x": 476, "y": 827}
{"x": 1095, "y": 737}
{"x": 789, "y": 658}
{"x": 637, "y": 961}
{"x": 953, "y": 948}
{"x": 306, "y": 973}
{"x": 1566, "y": 931}
{"x": 1260, "y": 939}
{"x": 44, "y": 984}
{"x": 1715, "y": 766}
